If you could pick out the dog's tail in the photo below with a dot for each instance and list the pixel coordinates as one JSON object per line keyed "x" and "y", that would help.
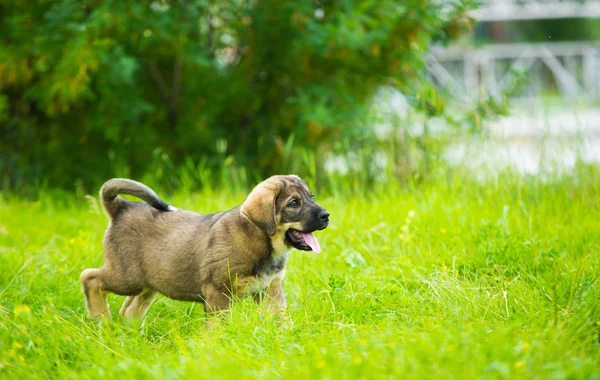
{"x": 109, "y": 195}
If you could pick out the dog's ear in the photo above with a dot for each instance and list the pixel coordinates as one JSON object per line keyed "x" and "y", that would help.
{"x": 259, "y": 207}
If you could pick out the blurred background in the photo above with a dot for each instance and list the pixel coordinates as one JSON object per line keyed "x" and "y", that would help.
{"x": 349, "y": 94}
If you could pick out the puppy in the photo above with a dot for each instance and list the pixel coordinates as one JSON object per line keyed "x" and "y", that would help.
{"x": 152, "y": 248}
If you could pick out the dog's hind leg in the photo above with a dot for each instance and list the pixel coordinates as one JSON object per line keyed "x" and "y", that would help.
{"x": 97, "y": 283}
{"x": 126, "y": 304}
{"x": 135, "y": 307}
{"x": 95, "y": 293}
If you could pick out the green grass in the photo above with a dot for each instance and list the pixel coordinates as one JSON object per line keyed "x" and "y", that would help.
{"x": 494, "y": 281}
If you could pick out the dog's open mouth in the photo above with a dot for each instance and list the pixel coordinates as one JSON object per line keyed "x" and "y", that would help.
{"x": 305, "y": 241}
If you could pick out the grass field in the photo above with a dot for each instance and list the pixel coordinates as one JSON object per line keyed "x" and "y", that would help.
{"x": 448, "y": 279}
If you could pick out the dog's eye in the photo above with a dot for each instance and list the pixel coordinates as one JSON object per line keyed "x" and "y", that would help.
{"x": 294, "y": 203}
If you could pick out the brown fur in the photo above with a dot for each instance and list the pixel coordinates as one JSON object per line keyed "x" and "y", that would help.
{"x": 152, "y": 248}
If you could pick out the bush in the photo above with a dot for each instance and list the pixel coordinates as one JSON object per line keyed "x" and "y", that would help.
{"x": 101, "y": 88}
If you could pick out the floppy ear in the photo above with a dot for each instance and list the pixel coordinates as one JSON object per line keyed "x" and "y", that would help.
{"x": 259, "y": 207}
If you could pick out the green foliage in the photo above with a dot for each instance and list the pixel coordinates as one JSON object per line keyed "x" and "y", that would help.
{"x": 495, "y": 280}
{"x": 542, "y": 30}
{"x": 89, "y": 90}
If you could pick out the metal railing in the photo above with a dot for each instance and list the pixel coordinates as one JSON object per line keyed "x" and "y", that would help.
{"x": 571, "y": 69}
{"x": 507, "y": 10}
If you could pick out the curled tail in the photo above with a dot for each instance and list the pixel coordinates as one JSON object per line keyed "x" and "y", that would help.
{"x": 109, "y": 195}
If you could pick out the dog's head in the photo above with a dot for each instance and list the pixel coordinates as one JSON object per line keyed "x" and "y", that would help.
{"x": 284, "y": 208}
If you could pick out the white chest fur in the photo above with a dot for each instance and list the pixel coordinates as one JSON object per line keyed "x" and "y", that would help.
{"x": 253, "y": 284}
{"x": 258, "y": 283}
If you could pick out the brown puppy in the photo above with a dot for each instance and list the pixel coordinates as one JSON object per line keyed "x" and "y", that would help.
{"x": 152, "y": 248}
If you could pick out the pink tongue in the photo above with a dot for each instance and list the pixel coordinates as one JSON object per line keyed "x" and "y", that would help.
{"x": 312, "y": 242}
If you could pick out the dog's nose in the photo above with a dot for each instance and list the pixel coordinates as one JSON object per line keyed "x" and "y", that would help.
{"x": 324, "y": 215}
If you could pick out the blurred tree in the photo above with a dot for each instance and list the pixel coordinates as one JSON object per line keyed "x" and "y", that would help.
{"x": 91, "y": 88}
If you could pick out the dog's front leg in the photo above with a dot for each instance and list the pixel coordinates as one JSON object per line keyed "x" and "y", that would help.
{"x": 216, "y": 303}
{"x": 276, "y": 296}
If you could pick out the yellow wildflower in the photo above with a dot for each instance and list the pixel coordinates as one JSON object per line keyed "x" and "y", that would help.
{"x": 22, "y": 309}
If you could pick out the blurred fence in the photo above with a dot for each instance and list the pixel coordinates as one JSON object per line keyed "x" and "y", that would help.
{"x": 505, "y": 10}
{"x": 522, "y": 70}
